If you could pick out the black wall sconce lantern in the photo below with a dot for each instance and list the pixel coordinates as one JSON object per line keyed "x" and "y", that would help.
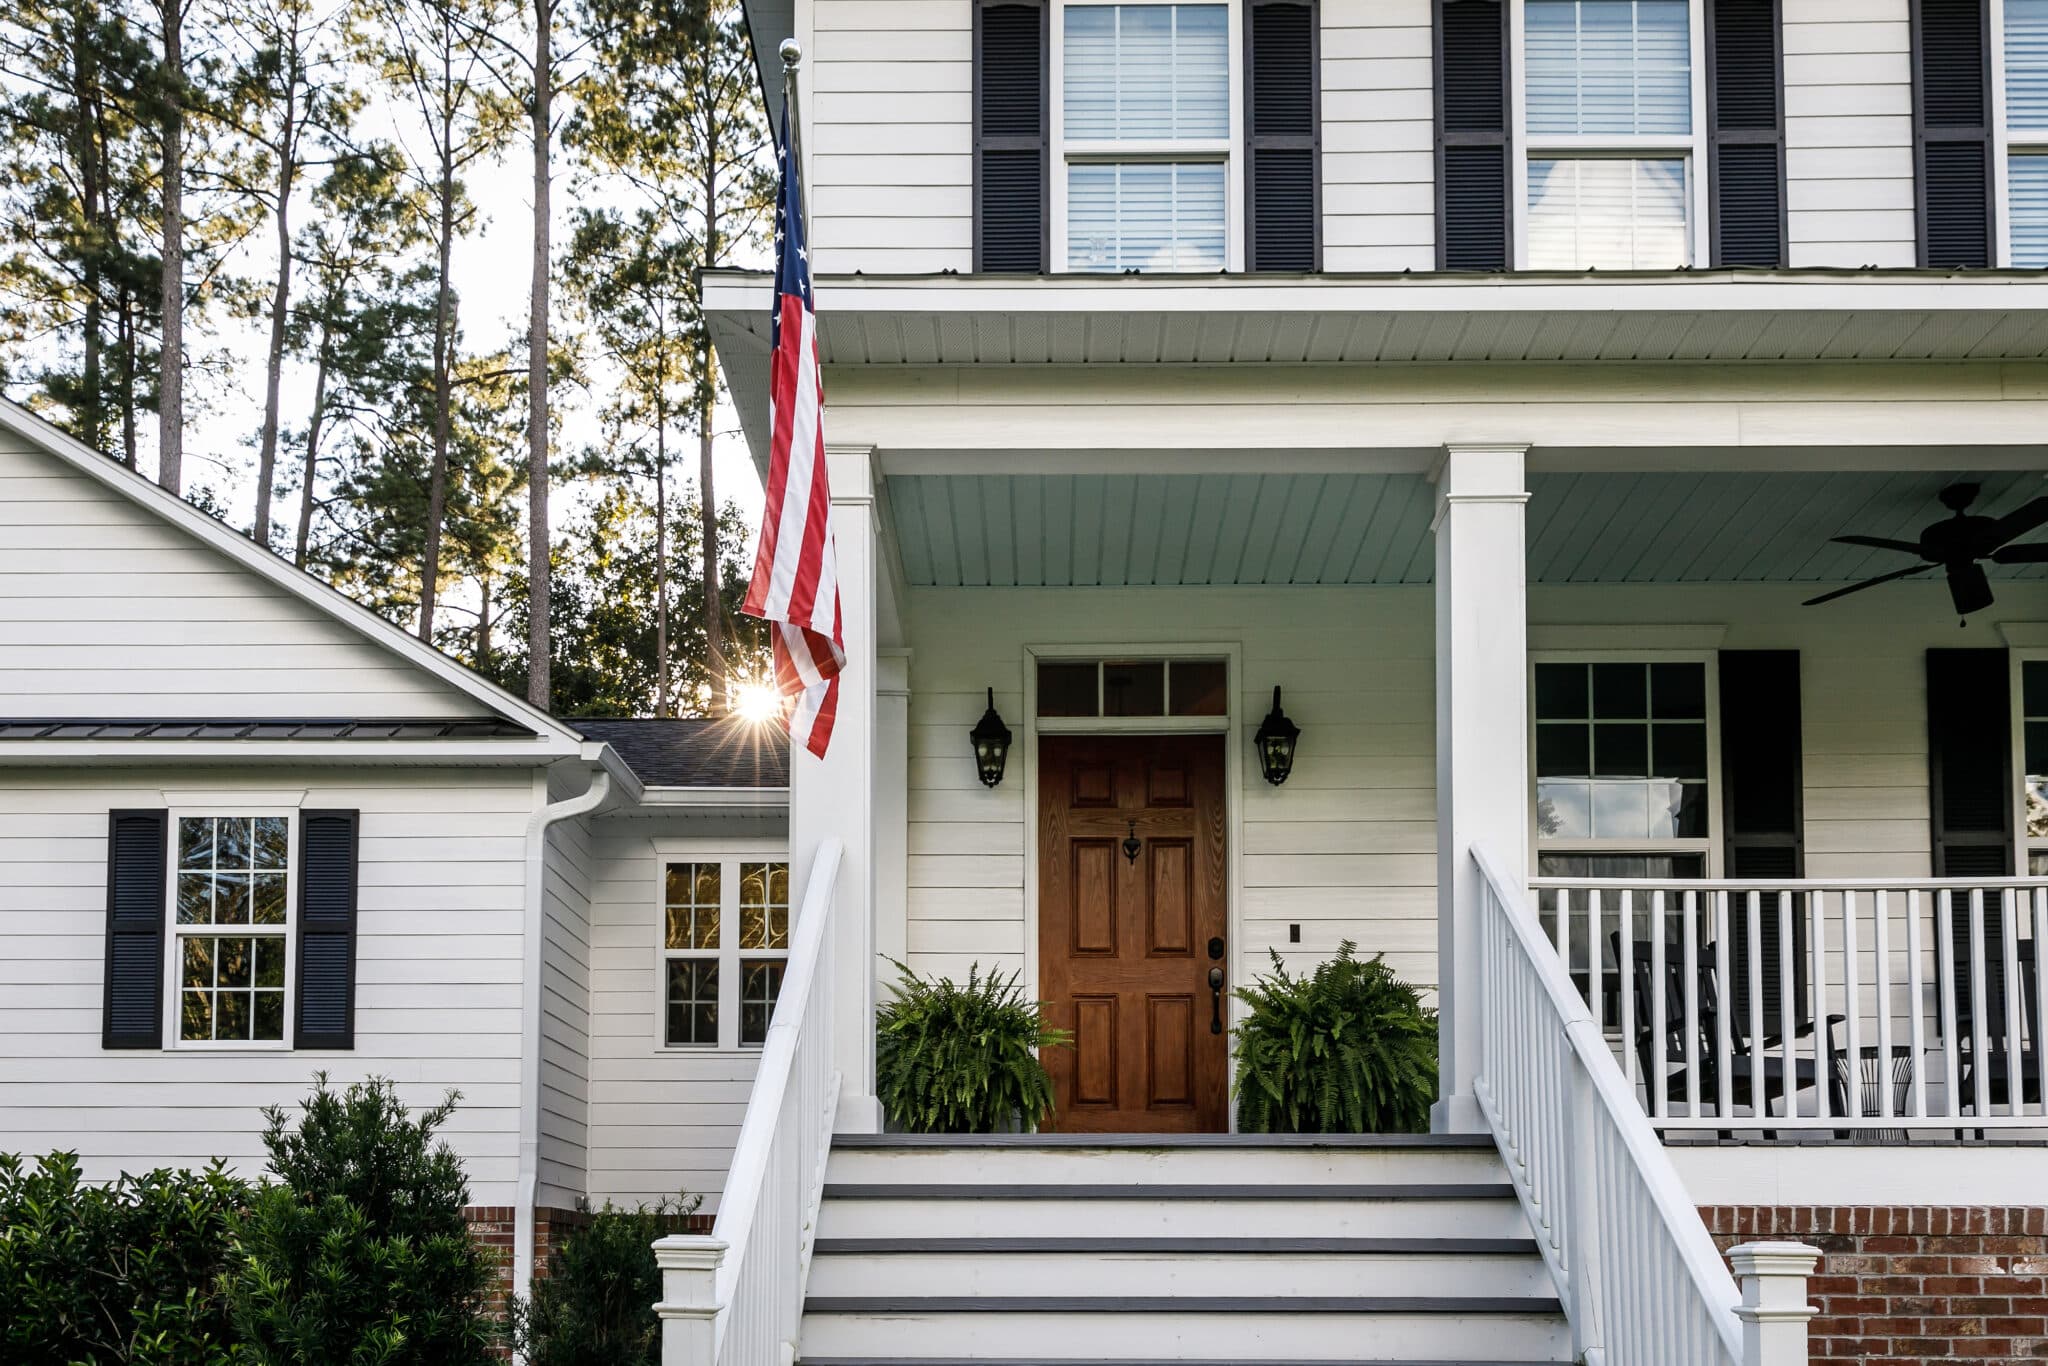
{"x": 991, "y": 744}
{"x": 1276, "y": 739}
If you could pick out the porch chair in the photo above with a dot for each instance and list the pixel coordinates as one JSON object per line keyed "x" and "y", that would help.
{"x": 1746, "y": 1062}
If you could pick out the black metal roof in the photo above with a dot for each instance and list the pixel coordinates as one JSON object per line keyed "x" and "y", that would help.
{"x": 269, "y": 728}
{"x": 695, "y": 752}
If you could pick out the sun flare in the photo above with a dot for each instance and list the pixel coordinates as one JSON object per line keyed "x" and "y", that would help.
{"x": 756, "y": 703}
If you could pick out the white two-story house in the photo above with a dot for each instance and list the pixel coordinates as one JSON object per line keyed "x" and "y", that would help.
{"x": 1484, "y": 390}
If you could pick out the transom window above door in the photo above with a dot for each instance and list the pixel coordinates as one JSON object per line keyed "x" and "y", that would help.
{"x": 1621, "y": 753}
{"x": 1608, "y": 95}
{"x": 1133, "y": 687}
{"x": 1145, "y": 107}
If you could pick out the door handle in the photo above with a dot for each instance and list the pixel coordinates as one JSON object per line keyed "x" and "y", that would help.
{"x": 1215, "y": 1000}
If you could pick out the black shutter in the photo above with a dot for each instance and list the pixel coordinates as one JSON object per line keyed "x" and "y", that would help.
{"x": 138, "y": 858}
{"x": 1472, "y": 177}
{"x": 1746, "y": 132}
{"x": 1969, "y": 760}
{"x": 1952, "y": 131}
{"x": 1282, "y": 188}
{"x": 1762, "y": 815}
{"x": 327, "y": 930}
{"x": 1010, "y": 193}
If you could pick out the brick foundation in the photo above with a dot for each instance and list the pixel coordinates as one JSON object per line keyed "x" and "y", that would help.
{"x": 1921, "y": 1283}
{"x": 492, "y": 1225}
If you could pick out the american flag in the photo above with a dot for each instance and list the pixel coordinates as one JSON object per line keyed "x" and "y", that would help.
{"x": 796, "y": 570}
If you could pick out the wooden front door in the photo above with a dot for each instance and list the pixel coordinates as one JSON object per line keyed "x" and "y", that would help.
{"x": 1126, "y": 944}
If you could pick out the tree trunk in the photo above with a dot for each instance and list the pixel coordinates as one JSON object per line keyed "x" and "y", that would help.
{"x": 170, "y": 469}
{"x": 661, "y": 698}
{"x": 707, "y": 403}
{"x": 312, "y": 470}
{"x": 538, "y": 675}
{"x": 280, "y": 302}
{"x": 444, "y": 329}
{"x": 482, "y": 662}
{"x": 85, "y": 81}
{"x": 125, "y": 388}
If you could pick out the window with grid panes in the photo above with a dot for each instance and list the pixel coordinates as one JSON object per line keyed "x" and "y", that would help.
{"x": 2034, "y": 742}
{"x": 231, "y": 899}
{"x": 725, "y": 945}
{"x": 1608, "y": 98}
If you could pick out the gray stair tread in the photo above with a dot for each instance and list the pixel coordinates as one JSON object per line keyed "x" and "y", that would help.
{"x": 1049, "y": 1190}
{"x": 1433, "y": 1142}
{"x": 1466, "y": 1305}
{"x": 1410, "y": 1247}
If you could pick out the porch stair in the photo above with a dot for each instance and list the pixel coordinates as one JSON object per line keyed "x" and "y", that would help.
{"x": 1090, "y": 1250}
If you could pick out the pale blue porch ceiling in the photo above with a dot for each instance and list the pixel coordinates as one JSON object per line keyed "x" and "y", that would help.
{"x": 1146, "y": 530}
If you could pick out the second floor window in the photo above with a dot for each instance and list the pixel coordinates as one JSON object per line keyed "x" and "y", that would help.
{"x": 1145, "y": 136}
{"x": 2026, "y": 123}
{"x": 1608, "y": 108}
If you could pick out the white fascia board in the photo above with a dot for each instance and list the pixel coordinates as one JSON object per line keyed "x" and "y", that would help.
{"x": 736, "y": 799}
{"x": 626, "y": 784}
{"x": 556, "y": 739}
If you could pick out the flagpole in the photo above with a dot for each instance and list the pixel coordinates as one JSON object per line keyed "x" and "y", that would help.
{"x": 792, "y": 58}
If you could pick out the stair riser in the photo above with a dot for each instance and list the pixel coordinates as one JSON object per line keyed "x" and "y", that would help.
{"x": 1056, "y": 1274}
{"x": 1175, "y": 1166}
{"x": 1195, "y": 1336}
{"x": 997, "y": 1218}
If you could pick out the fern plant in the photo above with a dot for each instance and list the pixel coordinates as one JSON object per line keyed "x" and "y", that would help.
{"x": 962, "y": 1059}
{"x": 1347, "y": 1049}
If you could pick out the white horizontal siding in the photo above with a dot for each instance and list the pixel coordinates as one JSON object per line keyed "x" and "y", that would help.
{"x": 1379, "y": 135}
{"x": 1849, "y": 133}
{"x": 108, "y": 611}
{"x": 565, "y": 1006}
{"x": 891, "y": 135}
{"x": 437, "y": 980}
{"x": 662, "y": 1121}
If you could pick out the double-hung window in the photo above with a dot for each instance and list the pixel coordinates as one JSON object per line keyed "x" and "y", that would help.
{"x": 230, "y": 941}
{"x": 1146, "y": 119}
{"x": 725, "y": 922}
{"x": 2024, "y": 46}
{"x": 2034, "y": 765}
{"x": 1612, "y": 110}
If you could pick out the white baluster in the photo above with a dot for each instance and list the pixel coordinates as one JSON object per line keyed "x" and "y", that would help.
{"x": 1692, "y": 1005}
{"x": 1881, "y": 950}
{"x": 1852, "y": 1006}
{"x": 1915, "y": 1011}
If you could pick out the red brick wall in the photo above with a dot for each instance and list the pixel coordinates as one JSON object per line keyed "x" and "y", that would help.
{"x": 1920, "y": 1283}
{"x": 492, "y": 1226}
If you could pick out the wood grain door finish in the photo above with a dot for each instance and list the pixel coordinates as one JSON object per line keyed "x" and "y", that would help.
{"x": 1124, "y": 944}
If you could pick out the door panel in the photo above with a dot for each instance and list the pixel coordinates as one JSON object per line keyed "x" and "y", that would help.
{"x": 1124, "y": 941}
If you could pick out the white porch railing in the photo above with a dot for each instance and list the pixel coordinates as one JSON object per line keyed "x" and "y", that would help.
{"x": 735, "y": 1297}
{"x": 1641, "y": 1281}
{"x": 1861, "y": 1008}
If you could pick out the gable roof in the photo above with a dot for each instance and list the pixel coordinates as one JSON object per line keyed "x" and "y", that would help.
{"x": 321, "y": 598}
{"x": 695, "y": 752}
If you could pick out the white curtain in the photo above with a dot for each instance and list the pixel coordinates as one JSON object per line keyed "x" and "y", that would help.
{"x": 1608, "y": 66}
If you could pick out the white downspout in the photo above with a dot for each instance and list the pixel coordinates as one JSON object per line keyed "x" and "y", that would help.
{"x": 537, "y": 827}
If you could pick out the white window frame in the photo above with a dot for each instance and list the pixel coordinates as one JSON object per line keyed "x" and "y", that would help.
{"x": 2005, "y": 142}
{"x": 729, "y": 855}
{"x": 1225, "y": 151}
{"x": 1634, "y": 146}
{"x": 1709, "y": 844}
{"x": 176, "y": 933}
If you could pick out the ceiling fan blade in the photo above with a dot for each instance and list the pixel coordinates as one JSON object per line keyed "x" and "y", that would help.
{"x": 1878, "y": 543}
{"x": 2035, "y": 552}
{"x": 2021, "y": 520}
{"x": 1867, "y": 583}
{"x": 1968, "y": 588}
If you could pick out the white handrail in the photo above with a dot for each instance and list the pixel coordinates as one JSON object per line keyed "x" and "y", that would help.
{"x": 1642, "y": 1282}
{"x": 758, "y": 1254}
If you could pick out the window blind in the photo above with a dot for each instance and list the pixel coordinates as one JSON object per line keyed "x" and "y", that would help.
{"x": 1608, "y": 66}
{"x": 2027, "y": 183}
{"x": 1146, "y": 73}
{"x": 2026, "y": 63}
{"x": 1145, "y": 215}
{"x": 1613, "y": 213}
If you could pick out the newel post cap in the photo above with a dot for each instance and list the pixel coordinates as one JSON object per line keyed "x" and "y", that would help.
{"x": 1773, "y": 1280}
{"x": 689, "y": 1265}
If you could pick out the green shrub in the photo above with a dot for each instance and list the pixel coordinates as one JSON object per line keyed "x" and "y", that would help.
{"x": 117, "y": 1273}
{"x": 362, "y": 1256}
{"x": 1348, "y": 1049}
{"x": 952, "y": 1059}
{"x": 595, "y": 1306}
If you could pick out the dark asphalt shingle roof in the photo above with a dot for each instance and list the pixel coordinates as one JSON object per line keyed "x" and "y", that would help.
{"x": 695, "y": 752}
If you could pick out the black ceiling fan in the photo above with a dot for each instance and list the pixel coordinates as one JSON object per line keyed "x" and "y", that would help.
{"x": 1955, "y": 546}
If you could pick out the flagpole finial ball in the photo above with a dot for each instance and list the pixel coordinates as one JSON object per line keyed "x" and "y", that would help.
{"x": 792, "y": 53}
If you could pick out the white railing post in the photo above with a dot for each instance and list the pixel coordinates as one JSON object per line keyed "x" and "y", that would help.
{"x": 688, "y": 1308}
{"x": 1774, "y": 1311}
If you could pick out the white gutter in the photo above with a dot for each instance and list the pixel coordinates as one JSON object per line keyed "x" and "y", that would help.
{"x": 537, "y": 826}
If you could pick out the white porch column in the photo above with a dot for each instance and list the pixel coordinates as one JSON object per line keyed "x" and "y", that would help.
{"x": 833, "y": 796}
{"x": 1482, "y": 733}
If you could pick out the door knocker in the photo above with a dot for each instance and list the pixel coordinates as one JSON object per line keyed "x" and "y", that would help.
{"x": 1132, "y": 844}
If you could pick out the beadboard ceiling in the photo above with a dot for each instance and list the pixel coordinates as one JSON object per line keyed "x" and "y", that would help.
{"x": 1145, "y": 530}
